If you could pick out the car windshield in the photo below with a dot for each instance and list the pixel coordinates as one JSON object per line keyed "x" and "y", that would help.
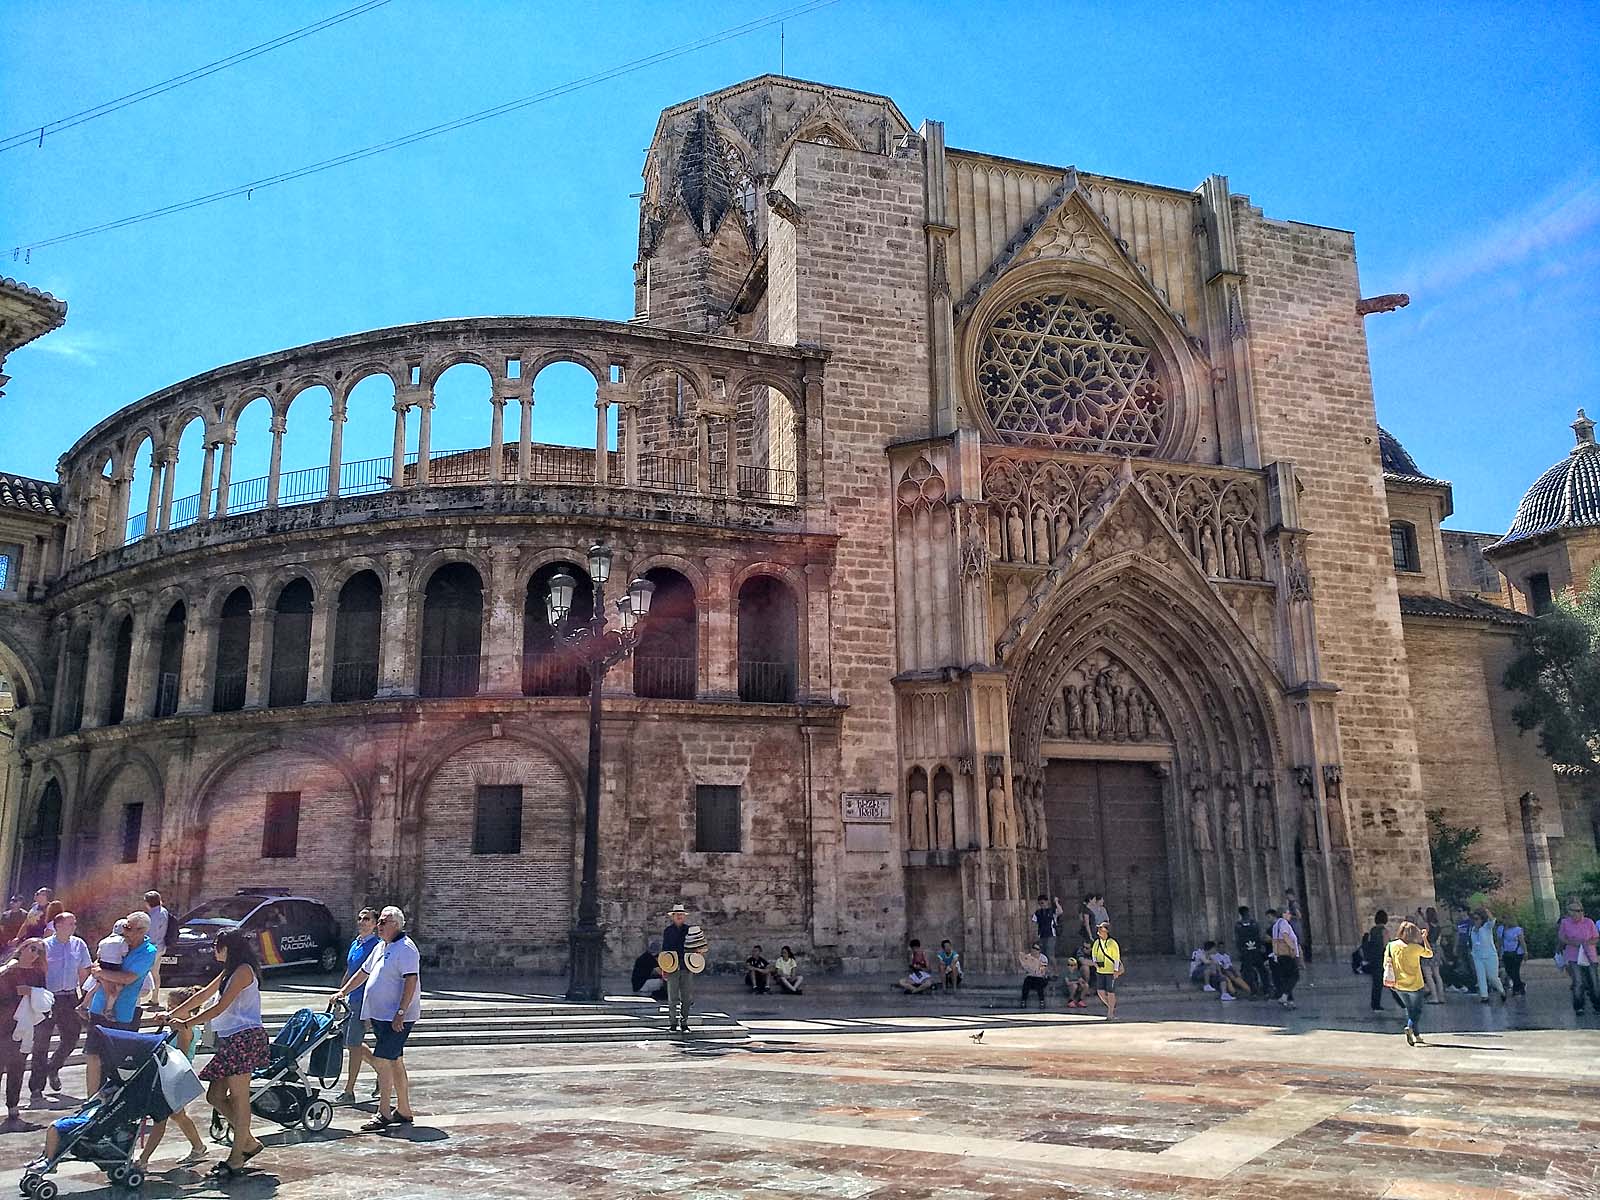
{"x": 234, "y": 908}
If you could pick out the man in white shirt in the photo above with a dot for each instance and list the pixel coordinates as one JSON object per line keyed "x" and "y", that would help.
{"x": 160, "y": 919}
{"x": 67, "y": 965}
{"x": 391, "y": 1004}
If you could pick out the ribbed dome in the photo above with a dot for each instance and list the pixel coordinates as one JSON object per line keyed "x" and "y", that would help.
{"x": 1567, "y": 496}
{"x": 1396, "y": 461}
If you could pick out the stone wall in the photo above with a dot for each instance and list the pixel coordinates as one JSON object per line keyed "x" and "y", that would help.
{"x": 1308, "y": 357}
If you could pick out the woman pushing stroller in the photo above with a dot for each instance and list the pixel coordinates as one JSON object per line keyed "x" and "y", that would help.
{"x": 235, "y": 1017}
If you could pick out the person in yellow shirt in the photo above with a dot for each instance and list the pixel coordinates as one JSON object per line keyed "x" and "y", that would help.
{"x": 1107, "y": 957}
{"x": 1402, "y": 974}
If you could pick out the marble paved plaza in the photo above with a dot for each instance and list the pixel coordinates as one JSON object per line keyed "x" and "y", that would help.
{"x": 899, "y": 1107}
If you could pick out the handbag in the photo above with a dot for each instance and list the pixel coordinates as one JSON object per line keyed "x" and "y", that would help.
{"x": 1388, "y": 968}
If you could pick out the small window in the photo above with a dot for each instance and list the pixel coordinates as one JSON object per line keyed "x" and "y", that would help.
{"x": 280, "y": 837}
{"x": 497, "y": 824}
{"x": 132, "y": 827}
{"x": 1539, "y": 593}
{"x": 1403, "y": 544}
{"x": 716, "y": 819}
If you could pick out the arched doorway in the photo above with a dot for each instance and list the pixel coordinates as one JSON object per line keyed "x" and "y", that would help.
{"x": 666, "y": 660}
{"x": 233, "y": 652}
{"x": 768, "y": 641}
{"x": 452, "y": 632}
{"x": 41, "y": 851}
{"x": 169, "y": 661}
{"x": 291, "y": 645}
{"x": 357, "y": 635}
{"x": 549, "y": 668}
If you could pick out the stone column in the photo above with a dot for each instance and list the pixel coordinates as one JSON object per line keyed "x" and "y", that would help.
{"x": 258, "y": 661}
{"x": 169, "y": 462}
{"x": 141, "y": 696}
{"x": 336, "y": 418}
{"x": 275, "y": 467}
{"x": 60, "y": 700}
{"x": 207, "y": 465}
{"x": 502, "y": 626}
{"x": 730, "y": 463}
{"x": 320, "y": 655}
{"x": 198, "y": 672}
{"x": 96, "y": 671}
{"x": 817, "y": 683}
{"x": 398, "y": 470}
{"x": 810, "y": 444}
{"x": 602, "y": 459}
{"x": 497, "y": 433}
{"x": 117, "y": 527}
{"x": 525, "y": 438}
{"x": 702, "y": 452}
{"x": 721, "y": 630}
{"x": 225, "y": 475}
{"x": 630, "y": 440}
{"x": 397, "y": 661}
{"x": 424, "y": 436}
{"x": 152, "y": 504}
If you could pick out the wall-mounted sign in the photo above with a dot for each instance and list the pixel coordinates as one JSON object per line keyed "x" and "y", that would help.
{"x": 867, "y": 808}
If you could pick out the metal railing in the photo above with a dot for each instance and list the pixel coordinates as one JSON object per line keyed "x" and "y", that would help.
{"x": 227, "y": 694}
{"x": 286, "y": 687}
{"x": 666, "y": 471}
{"x": 185, "y": 511}
{"x": 247, "y": 495}
{"x": 553, "y": 674}
{"x": 449, "y": 675}
{"x": 303, "y": 486}
{"x": 767, "y": 483}
{"x": 365, "y": 475}
{"x": 355, "y": 680}
{"x": 766, "y": 682}
{"x": 166, "y": 694}
{"x": 136, "y": 526}
{"x": 664, "y": 678}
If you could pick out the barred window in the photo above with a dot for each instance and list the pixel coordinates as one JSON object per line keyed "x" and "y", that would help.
{"x": 497, "y": 820}
{"x": 280, "y": 834}
{"x": 1403, "y": 545}
{"x": 716, "y": 818}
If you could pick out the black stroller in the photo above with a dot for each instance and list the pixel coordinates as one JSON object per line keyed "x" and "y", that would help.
{"x": 309, "y": 1046}
{"x": 146, "y": 1079}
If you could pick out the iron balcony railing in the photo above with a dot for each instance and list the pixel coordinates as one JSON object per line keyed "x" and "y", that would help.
{"x": 553, "y": 674}
{"x": 666, "y": 471}
{"x": 355, "y": 680}
{"x": 767, "y": 682}
{"x": 227, "y": 695}
{"x": 449, "y": 675}
{"x": 166, "y": 694}
{"x": 663, "y": 678}
{"x": 767, "y": 483}
{"x": 287, "y": 687}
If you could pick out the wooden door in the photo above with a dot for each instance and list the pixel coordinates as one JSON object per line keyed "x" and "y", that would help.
{"x": 1107, "y": 833}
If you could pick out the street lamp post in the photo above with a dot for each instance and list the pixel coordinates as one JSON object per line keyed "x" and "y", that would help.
{"x": 601, "y": 648}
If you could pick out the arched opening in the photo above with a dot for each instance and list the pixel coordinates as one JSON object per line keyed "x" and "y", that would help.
{"x": 140, "y": 520}
{"x": 233, "y": 652}
{"x": 548, "y": 667}
{"x": 303, "y": 476}
{"x": 668, "y": 431}
{"x": 169, "y": 661}
{"x": 250, "y": 458}
{"x": 452, "y": 632}
{"x": 357, "y": 633}
{"x": 72, "y": 684}
{"x": 291, "y": 645}
{"x": 41, "y": 853}
{"x": 459, "y": 433}
{"x": 767, "y": 451}
{"x": 367, "y": 441}
{"x": 188, "y": 458}
{"x": 768, "y": 641}
{"x": 564, "y": 433}
{"x": 121, "y": 662}
{"x": 666, "y": 660}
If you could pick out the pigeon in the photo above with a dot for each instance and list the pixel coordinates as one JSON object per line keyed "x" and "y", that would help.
{"x": 978, "y": 1037}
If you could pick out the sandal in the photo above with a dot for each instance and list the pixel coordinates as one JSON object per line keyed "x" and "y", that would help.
{"x": 403, "y": 1119}
{"x": 377, "y": 1125}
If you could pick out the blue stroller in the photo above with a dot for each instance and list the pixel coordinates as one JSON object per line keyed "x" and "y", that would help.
{"x": 146, "y": 1078}
{"x": 309, "y": 1046}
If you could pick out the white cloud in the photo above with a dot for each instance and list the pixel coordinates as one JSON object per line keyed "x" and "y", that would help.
{"x": 75, "y": 344}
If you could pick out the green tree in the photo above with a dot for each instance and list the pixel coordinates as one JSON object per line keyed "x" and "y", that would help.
{"x": 1457, "y": 876}
{"x": 1557, "y": 674}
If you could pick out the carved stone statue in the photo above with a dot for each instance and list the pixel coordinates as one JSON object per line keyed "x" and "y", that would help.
{"x": 1041, "y": 536}
{"x": 1200, "y": 824}
{"x": 1310, "y": 835}
{"x": 1016, "y": 537}
{"x": 1063, "y": 530}
{"x": 1266, "y": 810}
{"x": 1235, "y": 814}
{"x": 1252, "y": 558}
{"x": 999, "y": 824}
{"x": 1230, "y": 553}
{"x": 1074, "y": 711}
{"x": 1091, "y": 713}
{"x": 1209, "y": 558}
{"x": 919, "y": 819}
{"x": 945, "y": 816}
{"x": 1055, "y": 716}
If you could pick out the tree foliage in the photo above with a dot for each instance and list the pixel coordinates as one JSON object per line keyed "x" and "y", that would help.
{"x": 1457, "y": 876}
{"x": 1557, "y": 674}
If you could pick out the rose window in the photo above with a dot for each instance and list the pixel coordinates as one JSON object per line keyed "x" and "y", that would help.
{"x": 1058, "y": 370}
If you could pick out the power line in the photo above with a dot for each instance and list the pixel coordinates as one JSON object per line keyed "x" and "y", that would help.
{"x": 244, "y": 189}
{"x": 36, "y": 134}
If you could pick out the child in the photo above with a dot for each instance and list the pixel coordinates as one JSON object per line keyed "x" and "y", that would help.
{"x": 113, "y": 948}
{"x": 918, "y": 977}
{"x": 949, "y": 965}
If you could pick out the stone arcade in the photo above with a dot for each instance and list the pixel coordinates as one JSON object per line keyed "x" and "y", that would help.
{"x": 1014, "y": 529}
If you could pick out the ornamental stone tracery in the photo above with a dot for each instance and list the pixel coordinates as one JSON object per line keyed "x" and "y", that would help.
{"x": 1062, "y": 371}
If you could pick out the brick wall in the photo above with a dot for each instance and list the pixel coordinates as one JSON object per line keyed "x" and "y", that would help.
{"x": 1314, "y": 396}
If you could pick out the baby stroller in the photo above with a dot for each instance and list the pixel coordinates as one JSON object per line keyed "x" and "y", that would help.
{"x": 310, "y": 1045}
{"x": 146, "y": 1079}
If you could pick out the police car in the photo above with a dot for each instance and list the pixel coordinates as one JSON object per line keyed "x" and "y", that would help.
{"x": 288, "y": 931}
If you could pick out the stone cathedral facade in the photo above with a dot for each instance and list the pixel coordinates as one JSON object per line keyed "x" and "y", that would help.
{"x": 1014, "y": 529}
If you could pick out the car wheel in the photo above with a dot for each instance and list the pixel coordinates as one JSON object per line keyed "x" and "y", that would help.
{"x": 329, "y": 959}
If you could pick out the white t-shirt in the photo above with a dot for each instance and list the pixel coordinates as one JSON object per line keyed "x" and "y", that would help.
{"x": 159, "y": 918}
{"x": 386, "y": 968}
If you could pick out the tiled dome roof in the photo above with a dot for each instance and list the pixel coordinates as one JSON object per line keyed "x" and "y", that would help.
{"x": 1398, "y": 465}
{"x": 1567, "y": 496}
{"x": 35, "y": 495}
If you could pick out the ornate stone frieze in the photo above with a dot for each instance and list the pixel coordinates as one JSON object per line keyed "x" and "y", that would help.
{"x": 1099, "y": 700}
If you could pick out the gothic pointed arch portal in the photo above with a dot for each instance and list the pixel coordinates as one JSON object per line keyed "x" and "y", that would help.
{"x": 1145, "y": 747}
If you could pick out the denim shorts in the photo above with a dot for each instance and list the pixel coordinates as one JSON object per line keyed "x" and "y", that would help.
{"x": 388, "y": 1043}
{"x": 355, "y": 1031}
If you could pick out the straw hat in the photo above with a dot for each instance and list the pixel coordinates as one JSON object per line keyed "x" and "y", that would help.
{"x": 677, "y": 908}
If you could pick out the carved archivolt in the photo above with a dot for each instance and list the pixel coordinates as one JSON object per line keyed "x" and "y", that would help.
{"x": 1036, "y": 506}
{"x": 1059, "y": 370}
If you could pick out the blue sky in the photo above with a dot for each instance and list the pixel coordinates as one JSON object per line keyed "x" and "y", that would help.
{"x": 1462, "y": 145}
